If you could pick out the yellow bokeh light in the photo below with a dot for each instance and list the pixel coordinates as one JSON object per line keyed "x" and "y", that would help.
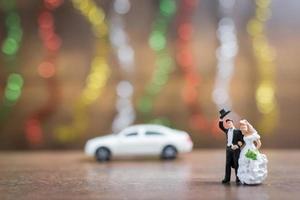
{"x": 98, "y": 75}
{"x": 265, "y": 56}
{"x": 263, "y": 3}
{"x": 254, "y": 27}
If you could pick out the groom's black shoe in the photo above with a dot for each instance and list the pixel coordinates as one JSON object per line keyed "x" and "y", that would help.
{"x": 225, "y": 181}
{"x": 238, "y": 182}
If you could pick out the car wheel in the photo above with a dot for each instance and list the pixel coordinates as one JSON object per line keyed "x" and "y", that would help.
{"x": 169, "y": 152}
{"x": 103, "y": 154}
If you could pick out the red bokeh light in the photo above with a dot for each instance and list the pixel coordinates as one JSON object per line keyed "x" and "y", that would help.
{"x": 46, "y": 69}
{"x": 54, "y": 43}
{"x": 33, "y": 132}
{"x": 185, "y": 31}
{"x": 52, "y": 4}
{"x": 45, "y": 19}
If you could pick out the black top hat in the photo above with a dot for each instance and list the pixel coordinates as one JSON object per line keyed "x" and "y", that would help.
{"x": 223, "y": 113}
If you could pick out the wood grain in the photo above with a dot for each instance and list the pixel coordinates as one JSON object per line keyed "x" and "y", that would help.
{"x": 71, "y": 175}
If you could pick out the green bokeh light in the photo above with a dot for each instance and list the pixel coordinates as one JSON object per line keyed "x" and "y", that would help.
{"x": 157, "y": 41}
{"x": 15, "y": 32}
{"x": 10, "y": 46}
{"x": 12, "y": 95}
{"x": 14, "y": 86}
{"x": 165, "y": 62}
{"x": 15, "y": 81}
{"x": 145, "y": 105}
{"x": 167, "y": 7}
{"x": 153, "y": 89}
{"x": 12, "y": 19}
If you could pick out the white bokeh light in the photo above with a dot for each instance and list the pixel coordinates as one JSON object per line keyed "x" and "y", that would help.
{"x": 121, "y": 6}
{"x": 225, "y": 54}
{"x": 125, "y": 54}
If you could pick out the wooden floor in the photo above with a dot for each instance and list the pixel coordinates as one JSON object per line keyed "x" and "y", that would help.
{"x": 71, "y": 175}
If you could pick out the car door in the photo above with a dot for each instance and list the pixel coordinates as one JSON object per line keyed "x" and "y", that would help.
{"x": 153, "y": 140}
{"x": 129, "y": 142}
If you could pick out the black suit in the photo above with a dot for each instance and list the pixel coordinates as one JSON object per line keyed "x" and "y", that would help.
{"x": 232, "y": 156}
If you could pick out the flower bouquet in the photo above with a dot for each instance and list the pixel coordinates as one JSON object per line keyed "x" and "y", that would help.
{"x": 251, "y": 154}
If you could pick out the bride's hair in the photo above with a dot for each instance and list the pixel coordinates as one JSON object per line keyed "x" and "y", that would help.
{"x": 250, "y": 128}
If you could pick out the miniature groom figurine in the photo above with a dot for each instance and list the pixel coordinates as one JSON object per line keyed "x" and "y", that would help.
{"x": 234, "y": 142}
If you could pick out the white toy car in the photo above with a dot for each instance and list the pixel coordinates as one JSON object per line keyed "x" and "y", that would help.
{"x": 140, "y": 140}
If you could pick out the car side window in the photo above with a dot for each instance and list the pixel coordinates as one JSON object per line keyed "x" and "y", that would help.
{"x": 153, "y": 133}
{"x": 131, "y": 134}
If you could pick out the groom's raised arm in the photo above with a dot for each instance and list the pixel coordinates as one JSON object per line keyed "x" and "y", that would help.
{"x": 221, "y": 126}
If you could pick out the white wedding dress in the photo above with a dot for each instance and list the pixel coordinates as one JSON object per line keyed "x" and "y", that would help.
{"x": 252, "y": 170}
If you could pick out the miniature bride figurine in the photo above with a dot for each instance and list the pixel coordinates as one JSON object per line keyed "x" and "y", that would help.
{"x": 252, "y": 164}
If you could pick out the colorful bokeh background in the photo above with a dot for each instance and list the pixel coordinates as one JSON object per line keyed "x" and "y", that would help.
{"x": 71, "y": 70}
